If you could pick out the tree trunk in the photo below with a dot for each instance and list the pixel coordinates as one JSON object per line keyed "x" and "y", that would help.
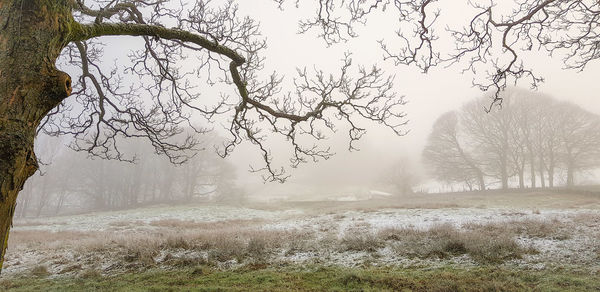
{"x": 521, "y": 178}
{"x": 542, "y": 167}
{"x": 532, "y": 170}
{"x": 470, "y": 186}
{"x": 551, "y": 176}
{"x": 551, "y": 167}
{"x": 17, "y": 163}
{"x": 481, "y": 180}
{"x": 60, "y": 202}
{"x": 570, "y": 175}
{"x": 43, "y": 197}
{"x": 504, "y": 175}
{"x": 32, "y": 35}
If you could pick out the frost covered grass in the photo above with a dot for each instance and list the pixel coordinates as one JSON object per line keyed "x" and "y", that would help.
{"x": 444, "y": 241}
{"x": 318, "y": 278}
{"x": 239, "y": 243}
{"x": 440, "y": 241}
{"x": 188, "y": 244}
{"x": 360, "y": 241}
{"x": 535, "y": 228}
{"x": 113, "y": 243}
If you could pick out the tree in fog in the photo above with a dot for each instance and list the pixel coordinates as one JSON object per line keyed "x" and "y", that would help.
{"x": 100, "y": 184}
{"x": 225, "y": 51}
{"x": 579, "y": 134}
{"x": 400, "y": 177}
{"x": 530, "y": 137}
{"x": 528, "y": 123}
{"x": 491, "y": 137}
{"x": 538, "y": 115}
{"x": 448, "y": 157}
{"x": 492, "y": 43}
{"x": 50, "y": 187}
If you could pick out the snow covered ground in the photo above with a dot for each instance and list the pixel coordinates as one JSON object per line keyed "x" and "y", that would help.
{"x": 228, "y": 236}
{"x": 102, "y": 221}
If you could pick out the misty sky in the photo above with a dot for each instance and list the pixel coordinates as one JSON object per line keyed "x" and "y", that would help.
{"x": 429, "y": 95}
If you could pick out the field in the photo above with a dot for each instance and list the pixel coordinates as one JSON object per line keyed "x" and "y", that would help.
{"x": 460, "y": 241}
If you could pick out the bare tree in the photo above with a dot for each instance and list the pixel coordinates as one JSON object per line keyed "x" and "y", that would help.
{"x": 531, "y": 131}
{"x": 579, "y": 132}
{"x": 448, "y": 157}
{"x": 492, "y": 137}
{"x": 493, "y": 43}
{"x": 400, "y": 177}
{"x": 528, "y": 112}
{"x": 100, "y": 184}
{"x": 227, "y": 50}
{"x": 104, "y": 109}
{"x": 549, "y": 144}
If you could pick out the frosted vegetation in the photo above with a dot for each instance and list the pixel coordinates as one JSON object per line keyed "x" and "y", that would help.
{"x": 544, "y": 231}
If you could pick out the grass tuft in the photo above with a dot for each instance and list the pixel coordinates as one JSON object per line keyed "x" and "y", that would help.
{"x": 360, "y": 241}
{"x": 40, "y": 271}
{"x": 443, "y": 241}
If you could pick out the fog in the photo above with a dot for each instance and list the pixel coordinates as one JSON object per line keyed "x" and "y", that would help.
{"x": 428, "y": 96}
{"x": 291, "y": 145}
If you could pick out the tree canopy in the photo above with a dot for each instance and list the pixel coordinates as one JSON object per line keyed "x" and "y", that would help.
{"x": 532, "y": 137}
{"x": 226, "y": 50}
{"x": 492, "y": 40}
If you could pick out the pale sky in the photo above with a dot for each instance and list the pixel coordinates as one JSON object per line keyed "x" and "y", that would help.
{"x": 429, "y": 95}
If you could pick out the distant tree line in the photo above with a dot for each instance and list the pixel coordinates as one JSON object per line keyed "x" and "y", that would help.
{"x": 74, "y": 183}
{"x": 533, "y": 140}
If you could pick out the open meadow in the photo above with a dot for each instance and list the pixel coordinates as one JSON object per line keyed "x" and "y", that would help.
{"x": 501, "y": 241}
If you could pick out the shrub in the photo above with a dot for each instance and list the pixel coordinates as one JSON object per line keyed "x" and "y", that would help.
{"x": 445, "y": 240}
{"x": 360, "y": 241}
{"x": 257, "y": 247}
{"x": 225, "y": 248}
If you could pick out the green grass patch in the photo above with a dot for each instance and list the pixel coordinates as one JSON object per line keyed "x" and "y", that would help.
{"x": 319, "y": 278}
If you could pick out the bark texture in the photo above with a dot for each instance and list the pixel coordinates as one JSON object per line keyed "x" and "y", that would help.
{"x": 32, "y": 35}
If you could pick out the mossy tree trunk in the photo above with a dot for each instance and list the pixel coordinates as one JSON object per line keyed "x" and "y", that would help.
{"x": 32, "y": 35}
